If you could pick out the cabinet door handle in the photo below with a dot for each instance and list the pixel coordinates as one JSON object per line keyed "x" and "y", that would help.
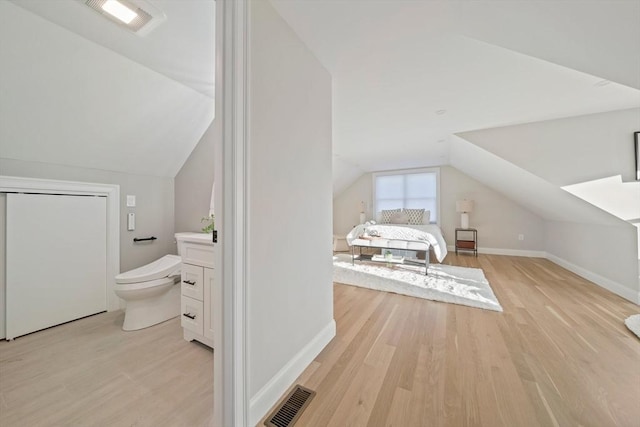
{"x": 189, "y": 315}
{"x": 189, "y": 282}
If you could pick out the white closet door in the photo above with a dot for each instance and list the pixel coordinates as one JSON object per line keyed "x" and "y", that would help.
{"x": 55, "y": 260}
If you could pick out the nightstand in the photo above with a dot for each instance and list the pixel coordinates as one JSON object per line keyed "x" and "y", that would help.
{"x": 467, "y": 240}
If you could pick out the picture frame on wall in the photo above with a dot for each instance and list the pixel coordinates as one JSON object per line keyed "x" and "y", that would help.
{"x": 637, "y": 147}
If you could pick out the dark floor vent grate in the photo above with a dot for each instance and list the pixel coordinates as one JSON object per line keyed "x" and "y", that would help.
{"x": 290, "y": 410}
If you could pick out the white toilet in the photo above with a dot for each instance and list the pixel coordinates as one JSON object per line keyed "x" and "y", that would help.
{"x": 152, "y": 293}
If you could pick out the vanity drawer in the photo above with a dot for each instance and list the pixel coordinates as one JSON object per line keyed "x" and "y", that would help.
{"x": 191, "y": 317}
{"x": 192, "y": 281}
{"x": 194, "y": 253}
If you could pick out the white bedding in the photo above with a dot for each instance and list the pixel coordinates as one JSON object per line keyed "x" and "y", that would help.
{"x": 421, "y": 233}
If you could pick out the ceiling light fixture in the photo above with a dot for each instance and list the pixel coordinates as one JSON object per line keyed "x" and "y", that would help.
{"x": 120, "y": 11}
{"x": 137, "y": 16}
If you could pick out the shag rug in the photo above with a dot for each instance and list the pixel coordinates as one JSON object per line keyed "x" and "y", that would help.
{"x": 632, "y": 322}
{"x": 445, "y": 283}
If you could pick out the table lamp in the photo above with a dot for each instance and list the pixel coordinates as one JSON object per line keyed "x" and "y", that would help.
{"x": 464, "y": 207}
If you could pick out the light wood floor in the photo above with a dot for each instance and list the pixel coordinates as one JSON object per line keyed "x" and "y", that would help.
{"x": 91, "y": 373}
{"x": 559, "y": 355}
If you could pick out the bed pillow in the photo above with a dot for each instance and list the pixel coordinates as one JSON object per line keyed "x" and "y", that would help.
{"x": 426, "y": 217}
{"x": 414, "y": 216}
{"x": 387, "y": 214}
{"x": 399, "y": 218}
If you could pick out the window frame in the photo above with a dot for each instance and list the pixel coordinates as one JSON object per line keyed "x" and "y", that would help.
{"x": 435, "y": 171}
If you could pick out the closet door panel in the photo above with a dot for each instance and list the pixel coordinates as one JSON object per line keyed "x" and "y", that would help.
{"x": 55, "y": 260}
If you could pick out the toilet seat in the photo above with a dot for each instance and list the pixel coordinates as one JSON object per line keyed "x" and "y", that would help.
{"x": 156, "y": 271}
{"x": 144, "y": 285}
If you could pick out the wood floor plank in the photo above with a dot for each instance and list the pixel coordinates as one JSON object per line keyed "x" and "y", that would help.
{"x": 336, "y": 381}
{"x": 358, "y": 402}
{"x": 399, "y": 410}
{"x": 559, "y": 355}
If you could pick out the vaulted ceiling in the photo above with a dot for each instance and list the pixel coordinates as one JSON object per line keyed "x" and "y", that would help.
{"x": 78, "y": 90}
{"x": 407, "y": 75}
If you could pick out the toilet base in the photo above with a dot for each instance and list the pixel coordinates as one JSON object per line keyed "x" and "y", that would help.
{"x": 142, "y": 313}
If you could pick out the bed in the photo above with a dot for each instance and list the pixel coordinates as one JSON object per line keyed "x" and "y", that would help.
{"x": 423, "y": 237}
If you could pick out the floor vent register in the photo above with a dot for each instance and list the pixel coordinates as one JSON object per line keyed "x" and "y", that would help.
{"x": 288, "y": 412}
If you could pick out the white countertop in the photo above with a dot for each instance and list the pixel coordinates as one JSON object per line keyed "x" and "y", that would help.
{"x": 201, "y": 238}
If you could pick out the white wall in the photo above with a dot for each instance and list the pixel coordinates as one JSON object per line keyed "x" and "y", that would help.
{"x": 193, "y": 185}
{"x": 346, "y": 205}
{"x": 605, "y": 255}
{"x": 344, "y": 174}
{"x": 289, "y": 285}
{"x": 498, "y": 219}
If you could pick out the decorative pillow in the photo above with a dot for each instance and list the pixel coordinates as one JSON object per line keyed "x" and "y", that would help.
{"x": 414, "y": 216}
{"x": 399, "y": 218}
{"x": 386, "y": 215}
{"x": 426, "y": 217}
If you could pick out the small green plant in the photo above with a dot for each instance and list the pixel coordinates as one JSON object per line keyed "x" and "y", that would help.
{"x": 210, "y": 220}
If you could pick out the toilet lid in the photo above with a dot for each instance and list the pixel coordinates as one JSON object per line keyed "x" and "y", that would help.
{"x": 156, "y": 270}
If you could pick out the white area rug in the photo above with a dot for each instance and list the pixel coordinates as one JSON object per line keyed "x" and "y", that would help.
{"x": 446, "y": 283}
{"x": 633, "y": 323}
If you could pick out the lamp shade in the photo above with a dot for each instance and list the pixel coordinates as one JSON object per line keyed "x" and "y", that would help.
{"x": 464, "y": 206}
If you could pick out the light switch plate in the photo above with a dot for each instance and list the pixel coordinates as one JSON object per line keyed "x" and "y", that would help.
{"x": 131, "y": 201}
{"x": 131, "y": 221}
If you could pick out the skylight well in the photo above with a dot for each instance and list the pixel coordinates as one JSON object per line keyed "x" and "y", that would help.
{"x": 137, "y": 16}
{"x": 612, "y": 195}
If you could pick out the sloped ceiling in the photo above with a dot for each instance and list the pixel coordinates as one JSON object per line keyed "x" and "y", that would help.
{"x": 587, "y": 157}
{"x": 111, "y": 100}
{"x": 407, "y": 75}
{"x": 569, "y": 150}
{"x": 181, "y": 48}
{"x": 530, "y": 191}
{"x": 597, "y": 37}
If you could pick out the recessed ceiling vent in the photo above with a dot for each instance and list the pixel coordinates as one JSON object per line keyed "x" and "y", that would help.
{"x": 137, "y": 16}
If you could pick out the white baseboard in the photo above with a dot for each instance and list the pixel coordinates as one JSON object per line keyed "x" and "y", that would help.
{"x": 507, "y": 252}
{"x": 512, "y": 252}
{"x": 616, "y": 288}
{"x": 610, "y": 285}
{"x": 268, "y": 395}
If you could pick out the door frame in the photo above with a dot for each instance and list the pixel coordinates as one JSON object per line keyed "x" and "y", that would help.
{"x": 231, "y": 391}
{"x": 14, "y": 184}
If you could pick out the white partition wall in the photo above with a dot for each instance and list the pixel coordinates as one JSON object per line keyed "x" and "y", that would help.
{"x": 56, "y": 260}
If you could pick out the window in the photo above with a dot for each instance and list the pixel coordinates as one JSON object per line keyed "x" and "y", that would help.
{"x": 414, "y": 189}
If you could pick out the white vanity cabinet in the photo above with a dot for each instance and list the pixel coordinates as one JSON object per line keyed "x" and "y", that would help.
{"x": 197, "y": 285}
{"x": 208, "y": 296}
